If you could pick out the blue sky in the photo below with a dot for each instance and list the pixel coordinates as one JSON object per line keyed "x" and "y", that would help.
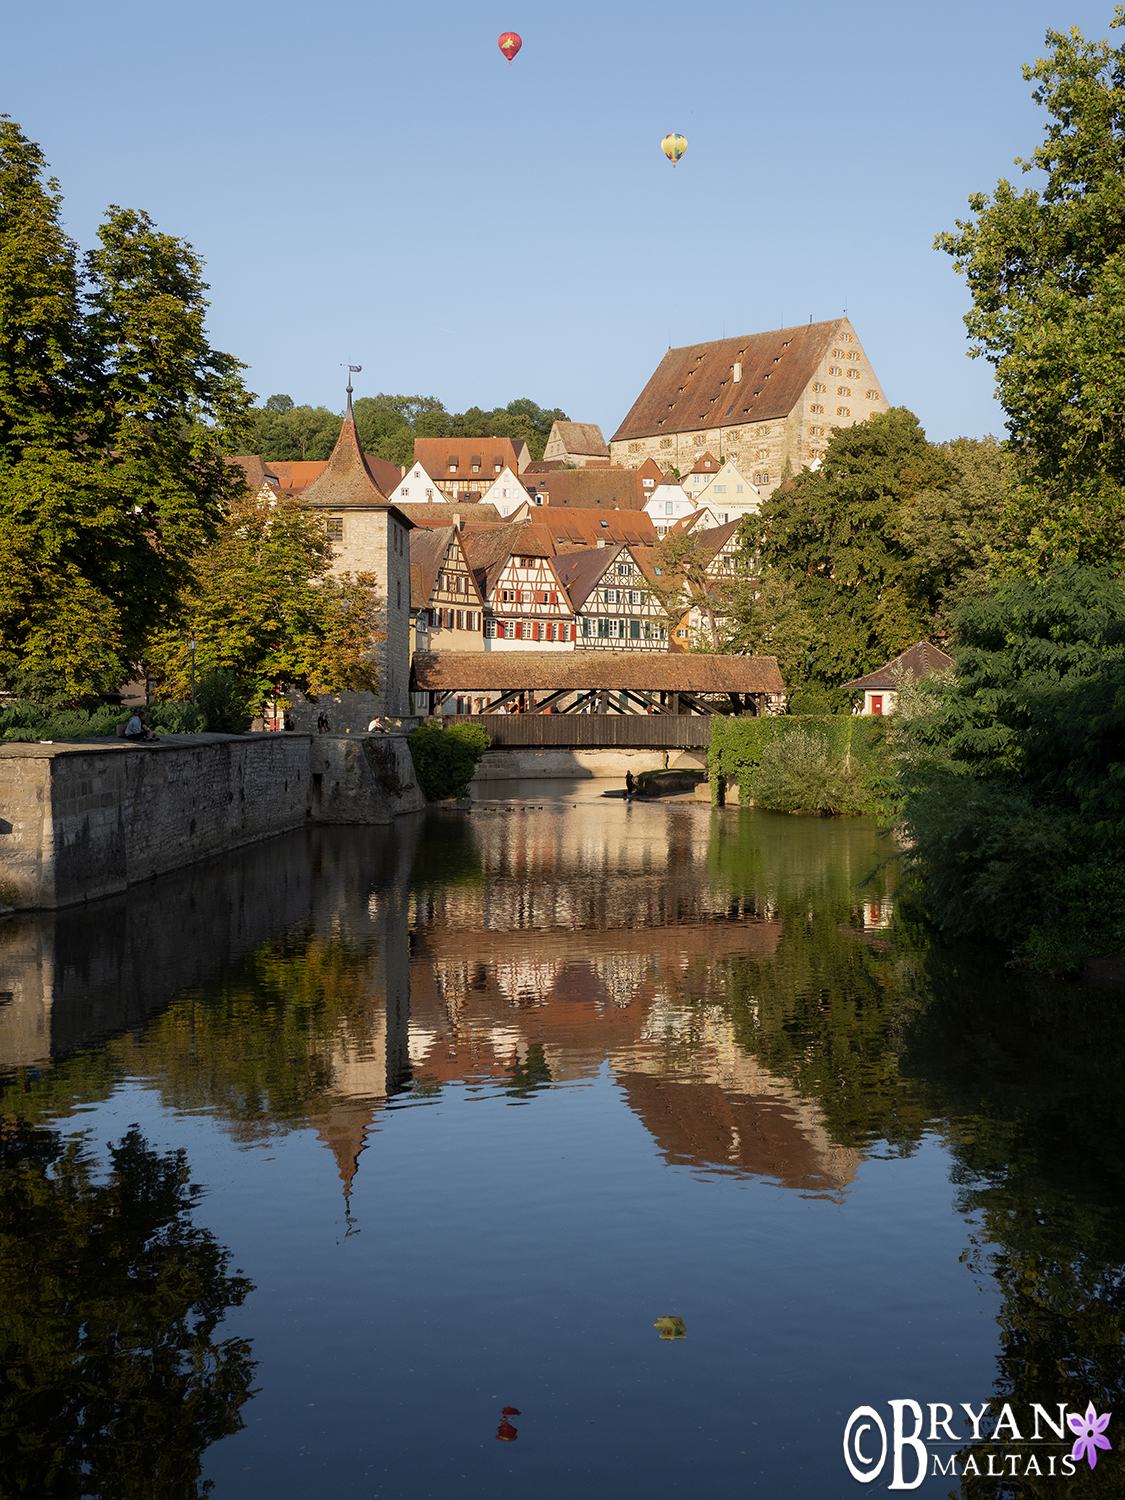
{"x": 376, "y": 185}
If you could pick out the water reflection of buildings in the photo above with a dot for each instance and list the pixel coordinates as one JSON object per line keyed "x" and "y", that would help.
{"x": 555, "y": 942}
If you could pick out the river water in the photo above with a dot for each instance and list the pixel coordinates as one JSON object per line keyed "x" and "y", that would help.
{"x": 564, "y": 1146}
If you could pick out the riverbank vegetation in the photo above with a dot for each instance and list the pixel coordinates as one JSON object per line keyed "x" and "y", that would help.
{"x": 806, "y": 763}
{"x": 446, "y": 759}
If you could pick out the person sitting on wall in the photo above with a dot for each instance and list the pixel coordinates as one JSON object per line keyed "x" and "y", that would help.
{"x": 376, "y": 727}
{"x": 137, "y": 729}
{"x": 630, "y": 784}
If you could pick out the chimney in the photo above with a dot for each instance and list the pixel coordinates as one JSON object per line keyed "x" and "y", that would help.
{"x": 600, "y": 542}
{"x": 458, "y": 521}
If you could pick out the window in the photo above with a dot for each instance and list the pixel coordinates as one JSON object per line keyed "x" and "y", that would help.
{"x": 872, "y": 395}
{"x": 669, "y": 507}
{"x": 603, "y": 629}
{"x": 843, "y": 390}
{"x": 587, "y": 628}
{"x": 699, "y": 442}
{"x": 647, "y": 483}
{"x": 525, "y": 597}
{"x": 720, "y": 489}
{"x": 835, "y": 370}
{"x": 853, "y": 355}
{"x": 498, "y": 468}
{"x": 842, "y": 411}
{"x": 460, "y": 620}
{"x": 738, "y": 370}
{"x": 846, "y": 338}
{"x": 609, "y": 596}
{"x": 765, "y": 479}
{"x": 634, "y": 596}
{"x": 681, "y": 634}
{"x": 818, "y": 410}
{"x": 335, "y": 528}
{"x": 429, "y": 494}
{"x": 634, "y": 630}
{"x": 762, "y": 432}
{"x": 739, "y": 489}
{"x": 406, "y": 489}
{"x": 816, "y": 432}
{"x": 634, "y": 447}
{"x": 665, "y": 442}
{"x": 624, "y": 570}
{"x": 453, "y": 466}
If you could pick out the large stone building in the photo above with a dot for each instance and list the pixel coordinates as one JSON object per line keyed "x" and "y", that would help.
{"x": 369, "y": 535}
{"x": 765, "y": 400}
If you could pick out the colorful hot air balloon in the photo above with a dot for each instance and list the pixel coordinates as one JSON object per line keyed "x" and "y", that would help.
{"x": 673, "y": 147}
{"x": 509, "y": 44}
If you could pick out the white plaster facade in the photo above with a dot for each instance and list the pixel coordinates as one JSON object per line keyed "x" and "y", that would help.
{"x": 506, "y": 493}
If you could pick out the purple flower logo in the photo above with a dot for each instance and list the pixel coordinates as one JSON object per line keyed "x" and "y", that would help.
{"x": 1089, "y": 1429}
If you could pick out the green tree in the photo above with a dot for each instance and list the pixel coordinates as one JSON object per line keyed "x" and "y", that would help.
{"x": 1017, "y": 825}
{"x": 265, "y": 605}
{"x": 835, "y": 537}
{"x": 1045, "y": 268}
{"x": 113, "y": 412}
{"x": 113, "y": 1382}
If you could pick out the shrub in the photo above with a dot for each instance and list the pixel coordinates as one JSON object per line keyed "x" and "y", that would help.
{"x": 799, "y": 773}
{"x": 226, "y": 701}
{"x": 850, "y": 768}
{"x": 446, "y": 760}
{"x": 176, "y": 718}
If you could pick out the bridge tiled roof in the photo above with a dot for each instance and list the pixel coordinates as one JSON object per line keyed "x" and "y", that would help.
{"x": 579, "y": 671}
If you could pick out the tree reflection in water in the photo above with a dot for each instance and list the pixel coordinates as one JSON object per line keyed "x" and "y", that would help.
{"x": 1028, "y": 1075}
{"x": 113, "y": 1383}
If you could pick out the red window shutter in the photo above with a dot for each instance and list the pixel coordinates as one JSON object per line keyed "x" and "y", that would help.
{"x": 519, "y": 630}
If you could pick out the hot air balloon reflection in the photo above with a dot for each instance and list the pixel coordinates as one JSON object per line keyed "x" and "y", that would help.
{"x": 509, "y": 44}
{"x": 673, "y": 147}
{"x": 506, "y": 1433}
{"x": 671, "y": 1328}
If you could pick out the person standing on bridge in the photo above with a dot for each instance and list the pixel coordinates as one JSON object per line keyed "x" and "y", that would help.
{"x": 630, "y": 785}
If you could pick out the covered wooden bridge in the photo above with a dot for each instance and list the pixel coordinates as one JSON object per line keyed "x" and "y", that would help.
{"x": 608, "y": 684}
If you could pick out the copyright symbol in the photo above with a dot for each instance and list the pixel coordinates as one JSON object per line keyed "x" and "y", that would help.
{"x": 861, "y": 1424}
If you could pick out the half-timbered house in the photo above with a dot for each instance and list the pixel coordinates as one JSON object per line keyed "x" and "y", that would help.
{"x": 526, "y": 607}
{"x": 613, "y": 606}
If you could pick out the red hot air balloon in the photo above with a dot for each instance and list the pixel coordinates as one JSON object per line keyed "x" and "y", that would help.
{"x": 510, "y": 43}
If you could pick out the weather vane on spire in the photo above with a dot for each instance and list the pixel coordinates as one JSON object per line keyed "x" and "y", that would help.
{"x": 352, "y": 370}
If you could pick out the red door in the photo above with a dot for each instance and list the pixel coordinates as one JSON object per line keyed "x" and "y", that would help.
{"x": 876, "y": 703}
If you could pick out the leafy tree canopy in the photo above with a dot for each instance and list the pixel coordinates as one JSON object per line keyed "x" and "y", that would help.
{"x": 1045, "y": 269}
{"x": 387, "y": 426}
{"x": 877, "y": 544}
{"x": 264, "y": 605}
{"x": 113, "y": 411}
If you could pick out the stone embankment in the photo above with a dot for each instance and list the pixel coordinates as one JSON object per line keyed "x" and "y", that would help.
{"x": 87, "y": 819}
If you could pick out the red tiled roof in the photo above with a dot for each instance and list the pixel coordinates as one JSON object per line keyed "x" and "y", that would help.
{"x": 564, "y": 525}
{"x": 347, "y": 482}
{"x": 488, "y": 548}
{"x": 707, "y": 464}
{"x": 604, "y": 488}
{"x": 440, "y": 513}
{"x": 434, "y": 455}
{"x": 581, "y": 438}
{"x": 922, "y": 659}
{"x": 694, "y": 387}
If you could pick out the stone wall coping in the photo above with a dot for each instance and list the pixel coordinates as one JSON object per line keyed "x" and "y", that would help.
{"x": 32, "y": 750}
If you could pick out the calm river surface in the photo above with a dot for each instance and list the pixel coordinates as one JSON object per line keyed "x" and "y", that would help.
{"x": 653, "y": 1124}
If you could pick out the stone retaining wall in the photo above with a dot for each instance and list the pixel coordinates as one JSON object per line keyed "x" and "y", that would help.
{"x": 88, "y": 819}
